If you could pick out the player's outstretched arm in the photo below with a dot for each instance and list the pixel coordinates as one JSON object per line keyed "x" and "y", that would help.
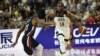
{"x": 18, "y": 34}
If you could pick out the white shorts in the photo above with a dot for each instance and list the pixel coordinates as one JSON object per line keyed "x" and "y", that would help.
{"x": 64, "y": 32}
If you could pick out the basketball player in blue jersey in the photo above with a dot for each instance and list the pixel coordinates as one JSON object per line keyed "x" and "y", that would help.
{"x": 27, "y": 40}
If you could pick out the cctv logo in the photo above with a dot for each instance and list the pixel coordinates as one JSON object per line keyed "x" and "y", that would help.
{"x": 89, "y": 32}
{"x": 5, "y": 40}
{"x": 91, "y": 36}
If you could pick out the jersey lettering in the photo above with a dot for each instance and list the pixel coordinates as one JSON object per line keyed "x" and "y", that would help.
{"x": 61, "y": 21}
{"x": 26, "y": 27}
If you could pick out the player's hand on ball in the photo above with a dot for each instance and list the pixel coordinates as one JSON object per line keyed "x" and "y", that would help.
{"x": 82, "y": 29}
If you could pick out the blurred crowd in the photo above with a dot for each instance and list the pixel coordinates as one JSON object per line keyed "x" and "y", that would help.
{"x": 13, "y": 13}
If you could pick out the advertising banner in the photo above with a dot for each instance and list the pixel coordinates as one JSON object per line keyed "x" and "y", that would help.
{"x": 90, "y": 38}
{"x": 49, "y": 40}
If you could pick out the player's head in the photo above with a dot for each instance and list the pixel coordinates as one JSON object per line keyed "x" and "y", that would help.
{"x": 60, "y": 6}
{"x": 31, "y": 13}
{"x": 51, "y": 14}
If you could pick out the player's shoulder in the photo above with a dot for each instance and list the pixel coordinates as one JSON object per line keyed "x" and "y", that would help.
{"x": 35, "y": 19}
{"x": 28, "y": 21}
{"x": 67, "y": 18}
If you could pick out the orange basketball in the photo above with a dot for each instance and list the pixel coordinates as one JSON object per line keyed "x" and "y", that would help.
{"x": 82, "y": 29}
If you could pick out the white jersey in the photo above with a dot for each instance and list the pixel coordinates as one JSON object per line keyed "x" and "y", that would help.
{"x": 62, "y": 26}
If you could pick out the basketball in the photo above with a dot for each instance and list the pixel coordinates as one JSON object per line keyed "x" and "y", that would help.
{"x": 82, "y": 29}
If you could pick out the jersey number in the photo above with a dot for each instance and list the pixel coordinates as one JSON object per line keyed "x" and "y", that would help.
{"x": 61, "y": 24}
{"x": 26, "y": 28}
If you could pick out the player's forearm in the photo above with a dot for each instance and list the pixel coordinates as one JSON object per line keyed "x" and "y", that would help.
{"x": 83, "y": 30}
{"x": 18, "y": 34}
{"x": 17, "y": 38}
{"x": 73, "y": 14}
{"x": 50, "y": 23}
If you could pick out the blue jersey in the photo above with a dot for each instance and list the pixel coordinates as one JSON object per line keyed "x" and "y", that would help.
{"x": 28, "y": 26}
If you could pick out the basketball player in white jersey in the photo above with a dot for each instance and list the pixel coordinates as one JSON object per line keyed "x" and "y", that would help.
{"x": 63, "y": 28}
{"x": 62, "y": 25}
{"x": 63, "y": 32}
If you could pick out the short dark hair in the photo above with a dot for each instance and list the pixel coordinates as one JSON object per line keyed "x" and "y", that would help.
{"x": 31, "y": 13}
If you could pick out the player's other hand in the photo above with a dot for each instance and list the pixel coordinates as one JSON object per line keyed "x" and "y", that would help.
{"x": 14, "y": 43}
{"x": 82, "y": 29}
{"x": 46, "y": 27}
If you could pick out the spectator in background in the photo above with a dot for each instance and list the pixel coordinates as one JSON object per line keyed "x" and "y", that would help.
{"x": 17, "y": 19}
{"x": 64, "y": 3}
{"x": 91, "y": 19}
{"x": 2, "y": 7}
{"x": 6, "y": 18}
{"x": 31, "y": 4}
{"x": 79, "y": 7}
{"x": 7, "y": 1}
{"x": 84, "y": 4}
{"x": 15, "y": 2}
{"x": 97, "y": 19}
{"x": 11, "y": 25}
{"x": 22, "y": 12}
{"x": 93, "y": 5}
{"x": 1, "y": 0}
{"x": 48, "y": 2}
{"x": 26, "y": 7}
{"x": 1, "y": 19}
{"x": 24, "y": 1}
{"x": 40, "y": 9}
